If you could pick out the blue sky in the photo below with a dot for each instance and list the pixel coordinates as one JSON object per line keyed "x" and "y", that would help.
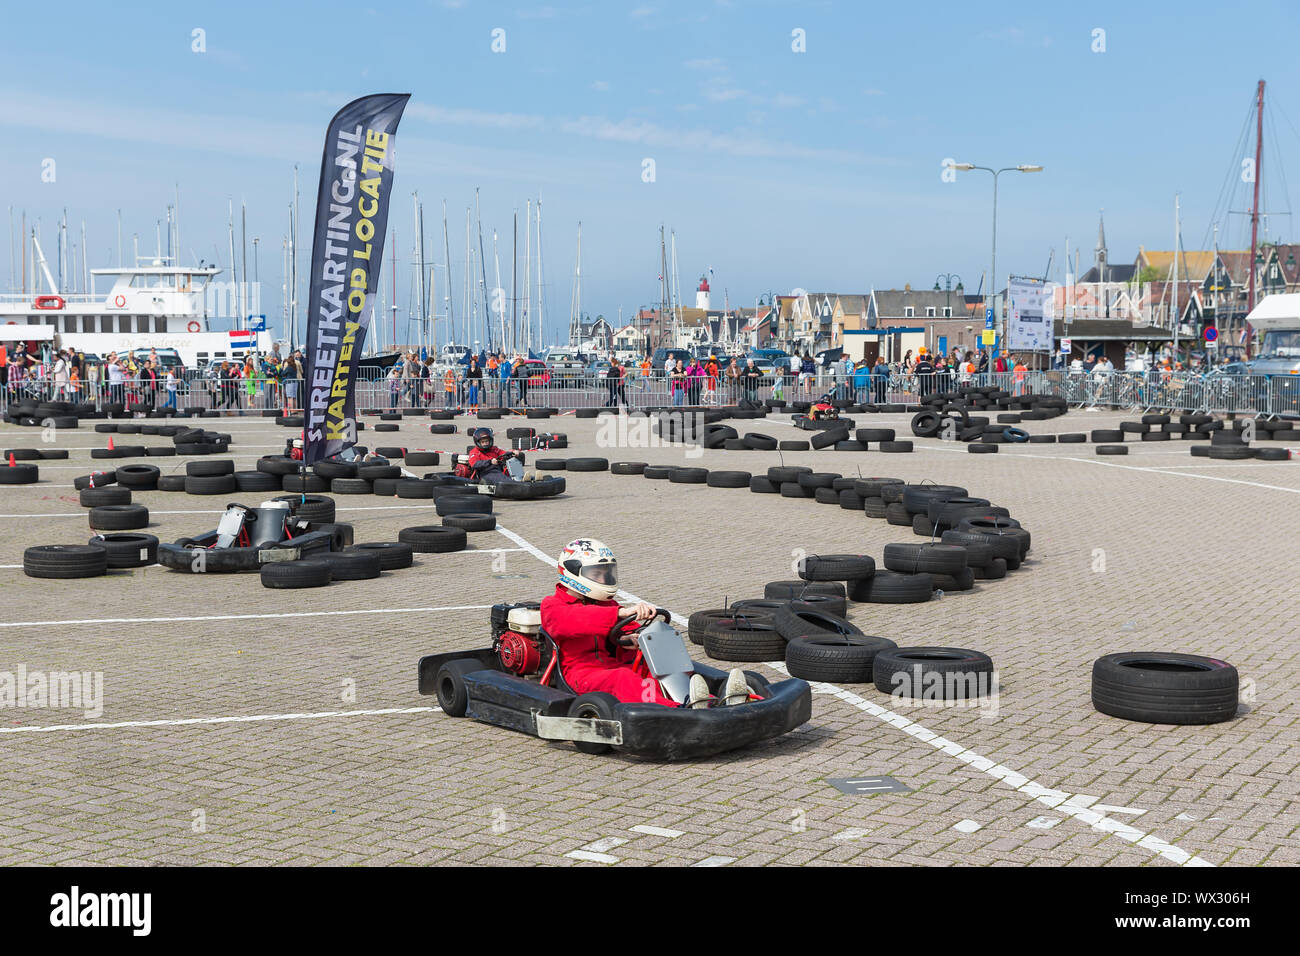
{"x": 777, "y": 169}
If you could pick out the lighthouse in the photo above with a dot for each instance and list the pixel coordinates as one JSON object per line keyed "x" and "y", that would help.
{"x": 702, "y": 294}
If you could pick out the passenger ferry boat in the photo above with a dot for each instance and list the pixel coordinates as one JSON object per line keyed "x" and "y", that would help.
{"x": 156, "y": 305}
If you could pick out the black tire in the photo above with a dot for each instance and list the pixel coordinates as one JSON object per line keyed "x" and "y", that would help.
{"x": 838, "y": 659}
{"x": 890, "y": 587}
{"x": 433, "y": 539}
{"x": 872, "y": 487}
{"x": 799, "y": 619}
{"x": 759, "y": 442}
{"x": 453, "y": 695}
{"x": 310, "y": 484}
{"x": 256, "y": 481}
{"x": 395, "y": 451}
{"x": 471, "y": 522}
{"x": 1103, "y": 435}
{"x": 995, "y": 570}
{"x": 658, "y": 472}
{"x": 829, "y": 437}
{"x": 779, "y": 474}
{"x": 1157, "y": 687}
{"x": 596, "y": 705}
{"x": 416, "y": 487}
{"x": 1273, "y": 454}
{"x": 350, "y": 486}
{"x": 414, "y": 459}
{"x": 1072, "y": 438}
{"x": 99, "y": 479}
{"x": 328, "y": 469}
{"x": 1230, "y": 452}
{"x": 963, "y": 580}
{"x": 119, "y": 517}
{"x": 94, "y": 497}
{"x": 981, "y": 449}
{"x": 697, "y": 622}
{"x": 462, "y": 504}
{"x": 278, "y": 465}
{"x": 177, "y": 483}
{"x": 689, "y": 476}
{"x": 627, "y": 467}
{"x": 794, "y": 445}
{"x": 371, "y": 472}
{"x": 959, "y": 674}
{"x": 128, "y": 550}
{"x": 898, "y": 514}
{"x": 741, "y": 639}
{"x": 65, "y": 561}
{"x": 762, "y": 486}
{"x": 351, "y": 565}
{"x": 811, "y": 481}
{"x": 850, "y": 500}
{"x": 874, "y": 507}
{"x": 836, "y": 567}
{"x": 393, "y": 555}
{"x": 211, "y": 485}
{"x": 551, "y": 464}
{"x": 291, "y": 575}
{"x": 728, "y": 479}
{"x": 588, "y": 464}
{"x": 208, "y": 468}
{"x": 792, "y": 489}
{"x": 138, "y": 477}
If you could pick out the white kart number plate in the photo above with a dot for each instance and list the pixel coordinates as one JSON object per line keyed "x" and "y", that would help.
{"x": 587, "y": 729}
{"x": 278, "y": 554}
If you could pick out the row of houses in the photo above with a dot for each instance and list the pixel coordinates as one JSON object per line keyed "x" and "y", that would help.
{"x": 1110, "y": 308}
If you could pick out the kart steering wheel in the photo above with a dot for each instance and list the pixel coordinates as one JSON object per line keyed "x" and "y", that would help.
{"x": 617, "y": 634}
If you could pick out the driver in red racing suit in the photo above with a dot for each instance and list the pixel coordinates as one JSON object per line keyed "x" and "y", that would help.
{"x": 486, "y": 461}
{"x": 580, "y": 614}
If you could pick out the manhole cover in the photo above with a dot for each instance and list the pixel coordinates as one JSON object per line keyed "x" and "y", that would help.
{"x": 868, "y": 785}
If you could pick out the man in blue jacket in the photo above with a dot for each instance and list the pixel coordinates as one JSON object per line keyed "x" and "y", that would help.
{"x": 503, "y": 378}
{"x": 880, "y": 379}
{"x": 861, "y": 380}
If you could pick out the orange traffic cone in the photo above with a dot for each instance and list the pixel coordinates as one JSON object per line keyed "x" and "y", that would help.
{"x": 12, "y": 463}
{"x": 110, "y": 442}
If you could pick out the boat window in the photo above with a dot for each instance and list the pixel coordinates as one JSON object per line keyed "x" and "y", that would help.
{"x": 69, "y": 323}
{"x": 87, "y": 323}
{"x": 159, "y": 324}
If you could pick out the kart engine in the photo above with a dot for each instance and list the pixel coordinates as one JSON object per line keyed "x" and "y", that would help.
{"x": 515, "y": 637}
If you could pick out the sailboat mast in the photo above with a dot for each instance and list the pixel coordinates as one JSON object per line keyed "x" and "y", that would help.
{"x": 1254, "y": 206}
{"x": 528, "y": 276}
{"x": 419, "y": 264}
{"x": 497, "y": 291}
{"x": 1174, "y": 307}
{"x": 575, "y": 304}
{"x": 469, "y": 338}
{"x": 446, "y": 261}
{"x": 514, "y": 285}
{"x": 540, "y": 334}
{"x": 482, "y": 263}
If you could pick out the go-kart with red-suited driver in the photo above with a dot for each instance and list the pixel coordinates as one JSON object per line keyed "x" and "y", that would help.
{"x": 652, "y": 701}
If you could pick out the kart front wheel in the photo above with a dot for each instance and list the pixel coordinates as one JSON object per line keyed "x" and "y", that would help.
{"x": 453, "y": 696}
{"x": 598, "y": 705}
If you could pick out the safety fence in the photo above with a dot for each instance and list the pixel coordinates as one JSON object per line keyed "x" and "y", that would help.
{"x": 1266, "y": 395}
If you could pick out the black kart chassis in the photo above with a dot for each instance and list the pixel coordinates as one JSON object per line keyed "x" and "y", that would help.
{"x": 547, "y": 487}
{"x": 318, "y": 538}
{"x": 649, "y": 730}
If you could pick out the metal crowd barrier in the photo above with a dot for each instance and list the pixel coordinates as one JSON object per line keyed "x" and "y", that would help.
{"x": 1265, "y": 395}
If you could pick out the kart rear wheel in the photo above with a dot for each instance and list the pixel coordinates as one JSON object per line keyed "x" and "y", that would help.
{"x": 453, "y": 697}
{"x": 599, "y": 705}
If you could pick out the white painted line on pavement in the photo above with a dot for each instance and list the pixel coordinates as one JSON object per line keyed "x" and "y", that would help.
{"x": 1056, "y": 799}
{"x": 591, "y": 857}
{"x": 966, "y": 826}
{"x": 243, "y": 617}
{"x": 715, "y": 861}
{"x": 253, "y": 718}
{"x": 655, "y": 831}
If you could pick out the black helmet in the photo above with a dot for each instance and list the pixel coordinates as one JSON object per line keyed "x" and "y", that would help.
{"x": 483, "y": 438}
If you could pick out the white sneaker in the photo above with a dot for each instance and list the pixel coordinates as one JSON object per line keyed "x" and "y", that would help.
{"x": 700, "y": 696}
{"x": 737, "y": 689}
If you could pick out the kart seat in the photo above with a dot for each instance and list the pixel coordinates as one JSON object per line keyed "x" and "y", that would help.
{"x": 557, "y": 672}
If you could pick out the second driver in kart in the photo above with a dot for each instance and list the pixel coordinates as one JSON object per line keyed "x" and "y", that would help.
{"x": 580, "y": 614}
{"x": 487, "y": 461}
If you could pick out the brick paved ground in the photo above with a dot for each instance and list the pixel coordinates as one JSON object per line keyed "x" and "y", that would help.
{"x": 1197, "y": 558}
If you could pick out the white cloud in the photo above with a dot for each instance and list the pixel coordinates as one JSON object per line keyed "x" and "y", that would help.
{"x": 787, "y": 100}
{"x": 600, "y": 86}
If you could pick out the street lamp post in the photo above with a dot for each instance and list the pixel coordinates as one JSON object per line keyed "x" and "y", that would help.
{"x": 993, "y": 266}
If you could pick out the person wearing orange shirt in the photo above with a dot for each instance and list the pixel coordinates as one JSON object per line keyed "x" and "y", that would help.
{"x": 449, "y": 386}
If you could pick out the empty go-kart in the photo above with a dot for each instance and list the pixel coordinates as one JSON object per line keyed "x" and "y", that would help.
{"x": 247, "y": 538}
{"x": 519, "y": 683}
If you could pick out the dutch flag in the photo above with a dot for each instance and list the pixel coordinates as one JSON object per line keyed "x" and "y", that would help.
{"x": 241, "y": 339}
